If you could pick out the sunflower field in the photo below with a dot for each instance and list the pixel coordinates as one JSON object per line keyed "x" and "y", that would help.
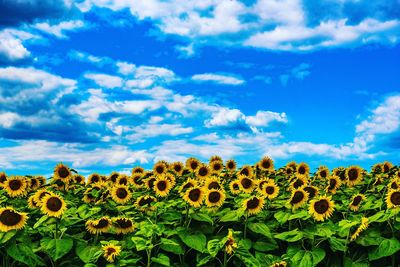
{"x": 203, "y": 214}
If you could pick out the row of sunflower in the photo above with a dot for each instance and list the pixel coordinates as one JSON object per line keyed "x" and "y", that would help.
{"x": 203, "y": 214}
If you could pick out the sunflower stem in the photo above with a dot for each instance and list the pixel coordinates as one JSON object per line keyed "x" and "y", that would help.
{"x": 225, "y": 259}
{"x": 245, "y": 226}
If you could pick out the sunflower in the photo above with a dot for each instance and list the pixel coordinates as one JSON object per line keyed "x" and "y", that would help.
{"x": 215, "y": 158}
{"x": 114, "y": 176}
{"x": 230, "y": 165}
{"x": 246, "y": 184}
{"x": 323, "y": 172}
{"x": 192, "y": 164}
{"x": 377, "y": 168}
{"x": 311, "y": 190}
{"x": 387, "y": 166}
{"x": 94, "y": 178}
{"x": 356, "y": 202}
{"x": 11, "y": 219}
{"x": 110, "y": 251}
{"x": 291, "y": 167}
{"x": 160, "y": 168}
{"x": 270, "y": 190}
{"x": 61, "y": 185}
{"x": 42, "y": 180}
{"x": 363, "y": 225}
{"x": 321, "y": 208}
{"x": 98, "y": 226}
{"x": 298, "y": 198}
{"x": 62, "y": 172}
{"x": 121, "y": 194}
{"x": 53, "y": 205}
{"x": 177, "y": 168}
{"x": 234, "y": 186}
{"x": 214, "y": 198}
{"x": 194, "y": 196}
{"x": 253, "y": 205}
{"x": 266, "y": 164}
{"x": 212, "y": 183}
{"x": 137, "y": 180}
{"x": 144, "y": 202}
{"x": 298, "y": 182}
{"x": 123, "y": 179}
{"x": 162, "y": 186}
{"x": 203, "y": 171}
{"x": 137, "y": 170}
{"x": 123, "y": 225}
{"x": 246, "y": 171}
{"x": 16, "y": 186}
{"x": 78, "y": 179}
{"x": 34, "y": 183}
{"x": 189, "y": 183}
{"x": 216, "y": 166}
{"x": 150, "y": 182}
{"x": 88, "y": 197}
{"x": 279, "y": 264}
{"x": 303, "y": 169}
{"x": 393, "y": 199}
{"x": 3, "y": 178}
{"x": 262, "y": 182}
{"x": 394, "y": 184}
{"x": 353, "y": 175}
{"x": 333, "y": 184}
{"x": 230, "y": 245}
{"x": 39, "y": 194}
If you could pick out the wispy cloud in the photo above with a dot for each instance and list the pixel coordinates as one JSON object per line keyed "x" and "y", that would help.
{"x": 218, "y": 78}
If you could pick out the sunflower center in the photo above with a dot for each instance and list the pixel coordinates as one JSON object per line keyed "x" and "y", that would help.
{"x": 266, "y": 164}
{"x": 323, "y": 174}
{"x": 151, "y": 182}
{"x": 177, "y": 168}
{"x": 63, "y": 172}
{"x": 395, "y": 198}
{"x": 321, "y": 206}
{"x": 235, "y": 186}
{"x": 310, "y": 190}
{"x": 288, "y": 171}
{"x": 110, "y": 251}
{"x": 121, "y": 193}
{"x": 123, "y": 181}
{"x": 78, "y": 179}
{"x": 102, "y": 223}
{"x": 95, "y": 178}
{"x": 231, "y": 165}
{"x": 394, "y": 185}
{"x": 194, "y": 194}
{"x": 203, "y": 171}
{"x": 217, "y": 166}
{"x": 298, "y": 183}
{"x": 214, "y": 185}
{"x": 10, "y": 217}
{"x": 15, "y": 184}
{"x": 356, "y": 200}
{"x": 161, "y": 185}
{"x": 297, "y": 197}
{"x": 33, "y": 182}
{"x": 245, "y": 172}
{"x": 124, "y": 223}
{"x": 114, "y": 177}
{"x": 54, "y": 204}
{"x": 302, "y": 170}
{"x": 332, "y": 184}
{"x": 246, "y": 183}
{"x": 187, "y": 185}
{"x": 3, "y": 178}
{"x": 269, "y": 190}
{"x": 386, "y": 168}
{"x": 137, "y": 180}
{"x": 253, "y": 203}
{"x": 214, "y": 197}
{"x": 160, "y": 169}
{"x": 353, "y": 174}
{"x": 194, "y": 165}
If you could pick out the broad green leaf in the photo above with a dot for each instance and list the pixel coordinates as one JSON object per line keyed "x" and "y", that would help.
{"x": 380, "y": 216}
{"x": 318, "y": 254}
{"x": 350, "y": 263}
{"x": 195, "y": 241}
{"x": 386, "y": 248}
{"x": 308, "y": 258}
{"x": 265, "y": 246}
{"x": 139, "y": 242}
{"x": 337, "y": 244}
{"x": 214, "y": 246}
{"x": 23, "y": 253}
{"x": 281, "y": 216}
{"x": 231, "y": 216}
{"x": 171, "y": 216}
{"x": 290, "y": 236}
{"x": 161, "y": 259}
{"x": 202, "y": 217}
{"x": 247, "y": 258}
{"x": 260, "y": 228}
{"x": 171, "y": 245}
{"x": 40, "y": 221}
{"x": 245, "y": 243}
{"x": 56, "y": 248}
{"x": 5, "y": 236}
{"x": 303, "y": 214}
{"x": 87, "y": 253}
{"x": 203, "y": 259}
{"x": 370, "y": 237}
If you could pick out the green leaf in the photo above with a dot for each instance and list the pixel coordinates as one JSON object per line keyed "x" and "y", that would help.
{"x": 386, "y": 248}
{"x": 350, "y": 263}
{"x": 5, "y": 236}
{"x": 245, "y": 243}
{"x": 304, "y": 215}
{"x": 265, "y": 246}
{"x": 231, "y": 216}
{"x": 260, "y": 228}
{"x": 161, "y": 259}
{"x": 247, "y": 258}
{"x": 203, "y": 259}
{"x": 40, "y": 221}
{"x": 318, "y": 254}
{"x": 337, "y": 244}
{"x": 308, "y": 258}
{"x": 370, "y": 237}
{"x": 290, "y": 236}
{"x": 140, "y": 243}
{"x": 195, "y": 241}
{"x": 171, "y": 216}
{"x": 281, "y": 216}
{"x": 202, "y": 217}
{"x": 24, "y": 253}
{"x": 87, "y": 253}
{"x": 172, "y": 245}
{"x": 213, "y": 246}
{"x": 56, "y": 248}
{"x": 380, "y": 216}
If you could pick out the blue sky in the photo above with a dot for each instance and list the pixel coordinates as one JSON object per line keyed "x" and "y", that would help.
{"x": 108, "y": 85}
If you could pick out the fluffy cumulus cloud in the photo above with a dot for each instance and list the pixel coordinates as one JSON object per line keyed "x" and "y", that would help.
{"x": 12, "y": 45}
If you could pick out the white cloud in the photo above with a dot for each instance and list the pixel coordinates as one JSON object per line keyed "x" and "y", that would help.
{"x": 217, "y": 78}
{"x": 139, "y": 133}
{"x": 11, "y": 44}
{"x": 225, "y": 118}
{"x": 105, "y": 80}
{"x": 264, "y": 118}
{"x": 58, "y": 30}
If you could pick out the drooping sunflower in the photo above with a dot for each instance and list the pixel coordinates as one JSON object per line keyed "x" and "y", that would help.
{"x": 137, "y": 170}
{"x": 234, "y": 186}
{"x": 123, "y": 179}
{"x": 62, "y": 172}
{"x": 137, "y": 180}
{"x": 311, "y": 190}
{"x": 212, "y": 183}
{"x": 266, "y": 164}
{"x": 194, "y": 196}
{"x": 214, "y": 198}
{"x": 291, "y": 167}
{"x": 177, "y": 168}
{"x": 247, "y": 184}
{"x": 270, "y": 190}
{"x": 354, "y": 175}
{"x": 299, "y": 198}
{"x": 53, "y": 205}
{"x": 356, "y": 202}
{"x": 230, "y": 244}
{"x": 333, "y": 184}
{"x": 123, "y": 225}
{"x": 215, "y": 158}
{"x": 34, "y": 183}
{"x": 150, "y": 182}
{"x": 192, "y": 164}
{"x": 32, "y": 204}
{"x": 386, "y": 167}
{"x": 254, "y": 205}
{"x": 121, "y": 194}
{"x": 88, "y": 196}
{"x": 16, "y": 186}
{"x": 78, "y": 179}
{"x": 393, "y": 199}
{"x": 246, "y": 171}
{"x": 298, "y": 181}
{"x": 114, "y": 176}
{"x": 377, "y": 168}
{"x": 3, "y": 178}
{"x": 323, "y": 172}
{"x": 144, "y": 202}
{"x": 42, "y": 180}
{"x": 189, "y": 183}
{"x": 230, "y": 165}
{"x": 216, "y": 166}
{"x": 162, "y": 186}
{"x": 303, "y": 169}
{"x": 279, "y": 264}
{"x": 321, "y": 208}
{"x": 98, "y": 226}
{"x": 11, "y": 219}
{"x": 160, "y": 168}
{"x": 110, "y": 251}
{"x": 93, "y": 178}
{"x": 363, "y": 226}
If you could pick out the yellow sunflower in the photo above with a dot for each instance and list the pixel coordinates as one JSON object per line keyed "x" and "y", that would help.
{"x": 34, "y": 183}
{"x": 393, "y": 199}
{"x": 192, "y": 164}
{"x": 262, "y": 182}
{"x": 78, "y": 179}
{"x": 321, "y": 208}
{"x": 311, "y": 190}
{"x": 299, "y": 181}
{"x": 230, "y": 165}
{"x": 42, "y": 180}
{"x": 323, "y": 172}
{"x": 150, "y": 182}
{"x": 299, "y": 198}
{"x": 212, "y": 183}
{"x": 354, "y": 175}
{"x": 266, "y": 164}
{"x": 114, "y": 176}
{"x": 137, "y": 180}
{"x": 32, "y": 204}
{"x": 189, "y": 183}
{"x": 39, "y": 194}
{"x": 230, "y": 245}
{"x": 247, "y": 184}
{"x": 356, "y": 202}
{"x": 386, "y": 167}
{"x": 377, "y": 168}
{"x": 121, "y": 194}
{"x": 177, "y": 168}
{"x": 333, "y": 184}
{"x": 194, "y": 196}
{"x": 53, "y": 205}
{"x": 123, "y": 179}
{"x": 94, "y": 178}
{"x": 279, "y": 264}
{"x": 253, "y": 205}
{"x": 137, "y": 170}
{"x": 246, "y": 171}
{"x": 363, "y": 226}
{"x": 16, "y": 186}
{"x": 303, "y": 169}
{"x": 202, "y": 172}
{"x": 214, "y": 198}
{"x": 110, "y": 251}
{"x": 270, "y": 191}
{"x": 160, "y": 168}
{"x": 394, "y": 184}
{"x": 234, "y": 186}
{"x": 162, "y": 186}
{"x": 11, "y": 219}
{"x": 215, "y": 158}
{"x": 291, "y": 167}
{"x": 123, "y": 225}
{"x": 98, "y": 226}
{"x": 62, "y": 172}
{"x": 216, "y": 166}
{"x": 144, "y": 202}
{"x": 3, "y": 178}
